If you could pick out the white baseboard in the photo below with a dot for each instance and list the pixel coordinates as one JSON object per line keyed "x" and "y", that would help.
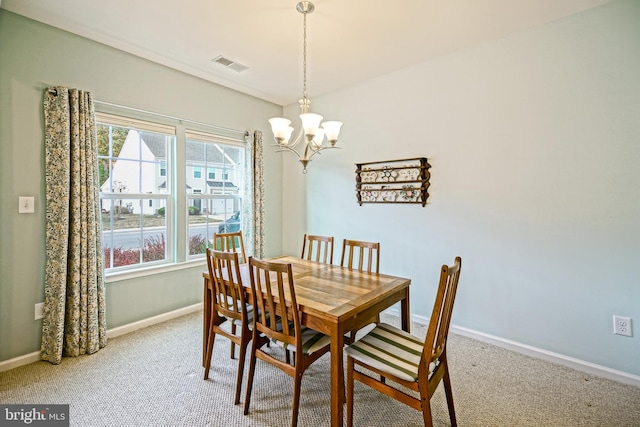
{"x": 125, "y": 329}
{"x": 25, "y": 359}
{"x": 560, "y": 359}
{"x": 111, "y": 333}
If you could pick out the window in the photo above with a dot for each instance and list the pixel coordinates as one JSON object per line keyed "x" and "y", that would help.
{"x": 139, "y": 191}
{"x": 215, "y": 206}
{"x": 135, "y": 200}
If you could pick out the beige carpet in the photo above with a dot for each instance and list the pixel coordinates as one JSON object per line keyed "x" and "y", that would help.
{"x": 153, "y": 377}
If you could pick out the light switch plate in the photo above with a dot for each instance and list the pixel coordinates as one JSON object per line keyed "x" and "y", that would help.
{"x": 25, "y": 205}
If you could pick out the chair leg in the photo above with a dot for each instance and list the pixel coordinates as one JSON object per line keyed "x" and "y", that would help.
{"x": 349, "y": 392}
{"x": 233, "y": 345}
{"x": 448, "y": 392}
{"x": 252, "y": 367}
{"x": 296, "y": 398}
{"x": 207, "y": 360}
{"x": 426, "y": 412}
{"x": 241, "y": 357}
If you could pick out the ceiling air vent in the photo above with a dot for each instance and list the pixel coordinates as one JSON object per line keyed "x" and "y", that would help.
{"x": 235, "y": 66}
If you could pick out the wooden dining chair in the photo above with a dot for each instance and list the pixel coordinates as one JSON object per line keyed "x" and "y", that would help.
{"x": 353, "y": 248}
{"x": 278, "y": 321}
{"x": 314, "y": 246}
{"x": 353, "y": 257}
{"x": 419, "y": 365}
{"x": 230, "y": 242}
{"x": 230, "y": 315}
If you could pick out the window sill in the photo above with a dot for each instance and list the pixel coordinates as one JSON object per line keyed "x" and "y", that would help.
{"x": 143, "y": 272}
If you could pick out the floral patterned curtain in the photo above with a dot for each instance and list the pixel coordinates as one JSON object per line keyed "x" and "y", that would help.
{"x": 74, "y": 320}
{"x": 254, "y": 203}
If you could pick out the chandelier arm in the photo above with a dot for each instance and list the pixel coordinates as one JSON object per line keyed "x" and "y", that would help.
{"x": 319, "y": 150}
{"x": 282, "y": 148}
{"x": 297, "y": 140}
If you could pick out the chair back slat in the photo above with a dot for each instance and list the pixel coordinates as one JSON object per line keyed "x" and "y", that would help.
{"x": 370, "y": 249}
{"x": 230, "y": 242}
{"x": 224, "y": 272}
{"x": 271, "y": 284}
{"x": 436, "y": 339}
{"x": 313, "y": 247}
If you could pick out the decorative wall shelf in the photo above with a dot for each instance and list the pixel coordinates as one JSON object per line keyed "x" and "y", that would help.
{"x": 393, "y": 181}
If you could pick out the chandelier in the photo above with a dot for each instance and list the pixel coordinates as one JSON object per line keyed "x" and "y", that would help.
{"x": 310, "y": 135}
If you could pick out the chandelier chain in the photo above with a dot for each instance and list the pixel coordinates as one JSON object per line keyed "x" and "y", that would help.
{"x": 304, "y": 56}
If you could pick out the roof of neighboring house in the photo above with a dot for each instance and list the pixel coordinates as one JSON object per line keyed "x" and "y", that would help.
{"x": 156, "y": 142}
{"x": 227, "y": 185}
{"x": 215, "y": 153}
{"x": 164, "y": 185}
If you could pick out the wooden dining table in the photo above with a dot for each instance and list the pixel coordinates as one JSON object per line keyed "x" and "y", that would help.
{"x": 333, "y": 300}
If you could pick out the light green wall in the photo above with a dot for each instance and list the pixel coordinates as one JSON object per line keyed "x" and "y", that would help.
{"x": 534, "y": 142}
{"x": 34, "y": 56}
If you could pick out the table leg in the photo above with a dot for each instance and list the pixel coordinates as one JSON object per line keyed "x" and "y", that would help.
{"x": 337, "y": 376}
{"x": 406, "y": 317}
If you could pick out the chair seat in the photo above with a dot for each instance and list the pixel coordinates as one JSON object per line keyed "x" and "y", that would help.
{"x": 312, "y": 341}
{"x": 390, "y": 350}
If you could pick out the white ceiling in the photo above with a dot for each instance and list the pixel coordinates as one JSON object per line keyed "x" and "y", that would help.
{"x": 348, "y": 40}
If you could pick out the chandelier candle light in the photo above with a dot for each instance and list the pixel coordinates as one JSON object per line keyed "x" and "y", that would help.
{"x": 311, "y": 133}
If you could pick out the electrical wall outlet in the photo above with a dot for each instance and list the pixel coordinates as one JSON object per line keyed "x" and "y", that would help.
{"x": 39, "y": 311}
{"x": 622, "y": 326}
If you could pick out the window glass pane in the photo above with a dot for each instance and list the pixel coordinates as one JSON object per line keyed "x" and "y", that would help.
{"x": 130, "y": 161}
{"x": 202, "y": 226}
{"x": 131, "y": 234}
{"x": 215, "y": 203}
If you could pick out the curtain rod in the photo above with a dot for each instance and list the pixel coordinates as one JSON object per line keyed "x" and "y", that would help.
{"x": 243, "y": 133}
